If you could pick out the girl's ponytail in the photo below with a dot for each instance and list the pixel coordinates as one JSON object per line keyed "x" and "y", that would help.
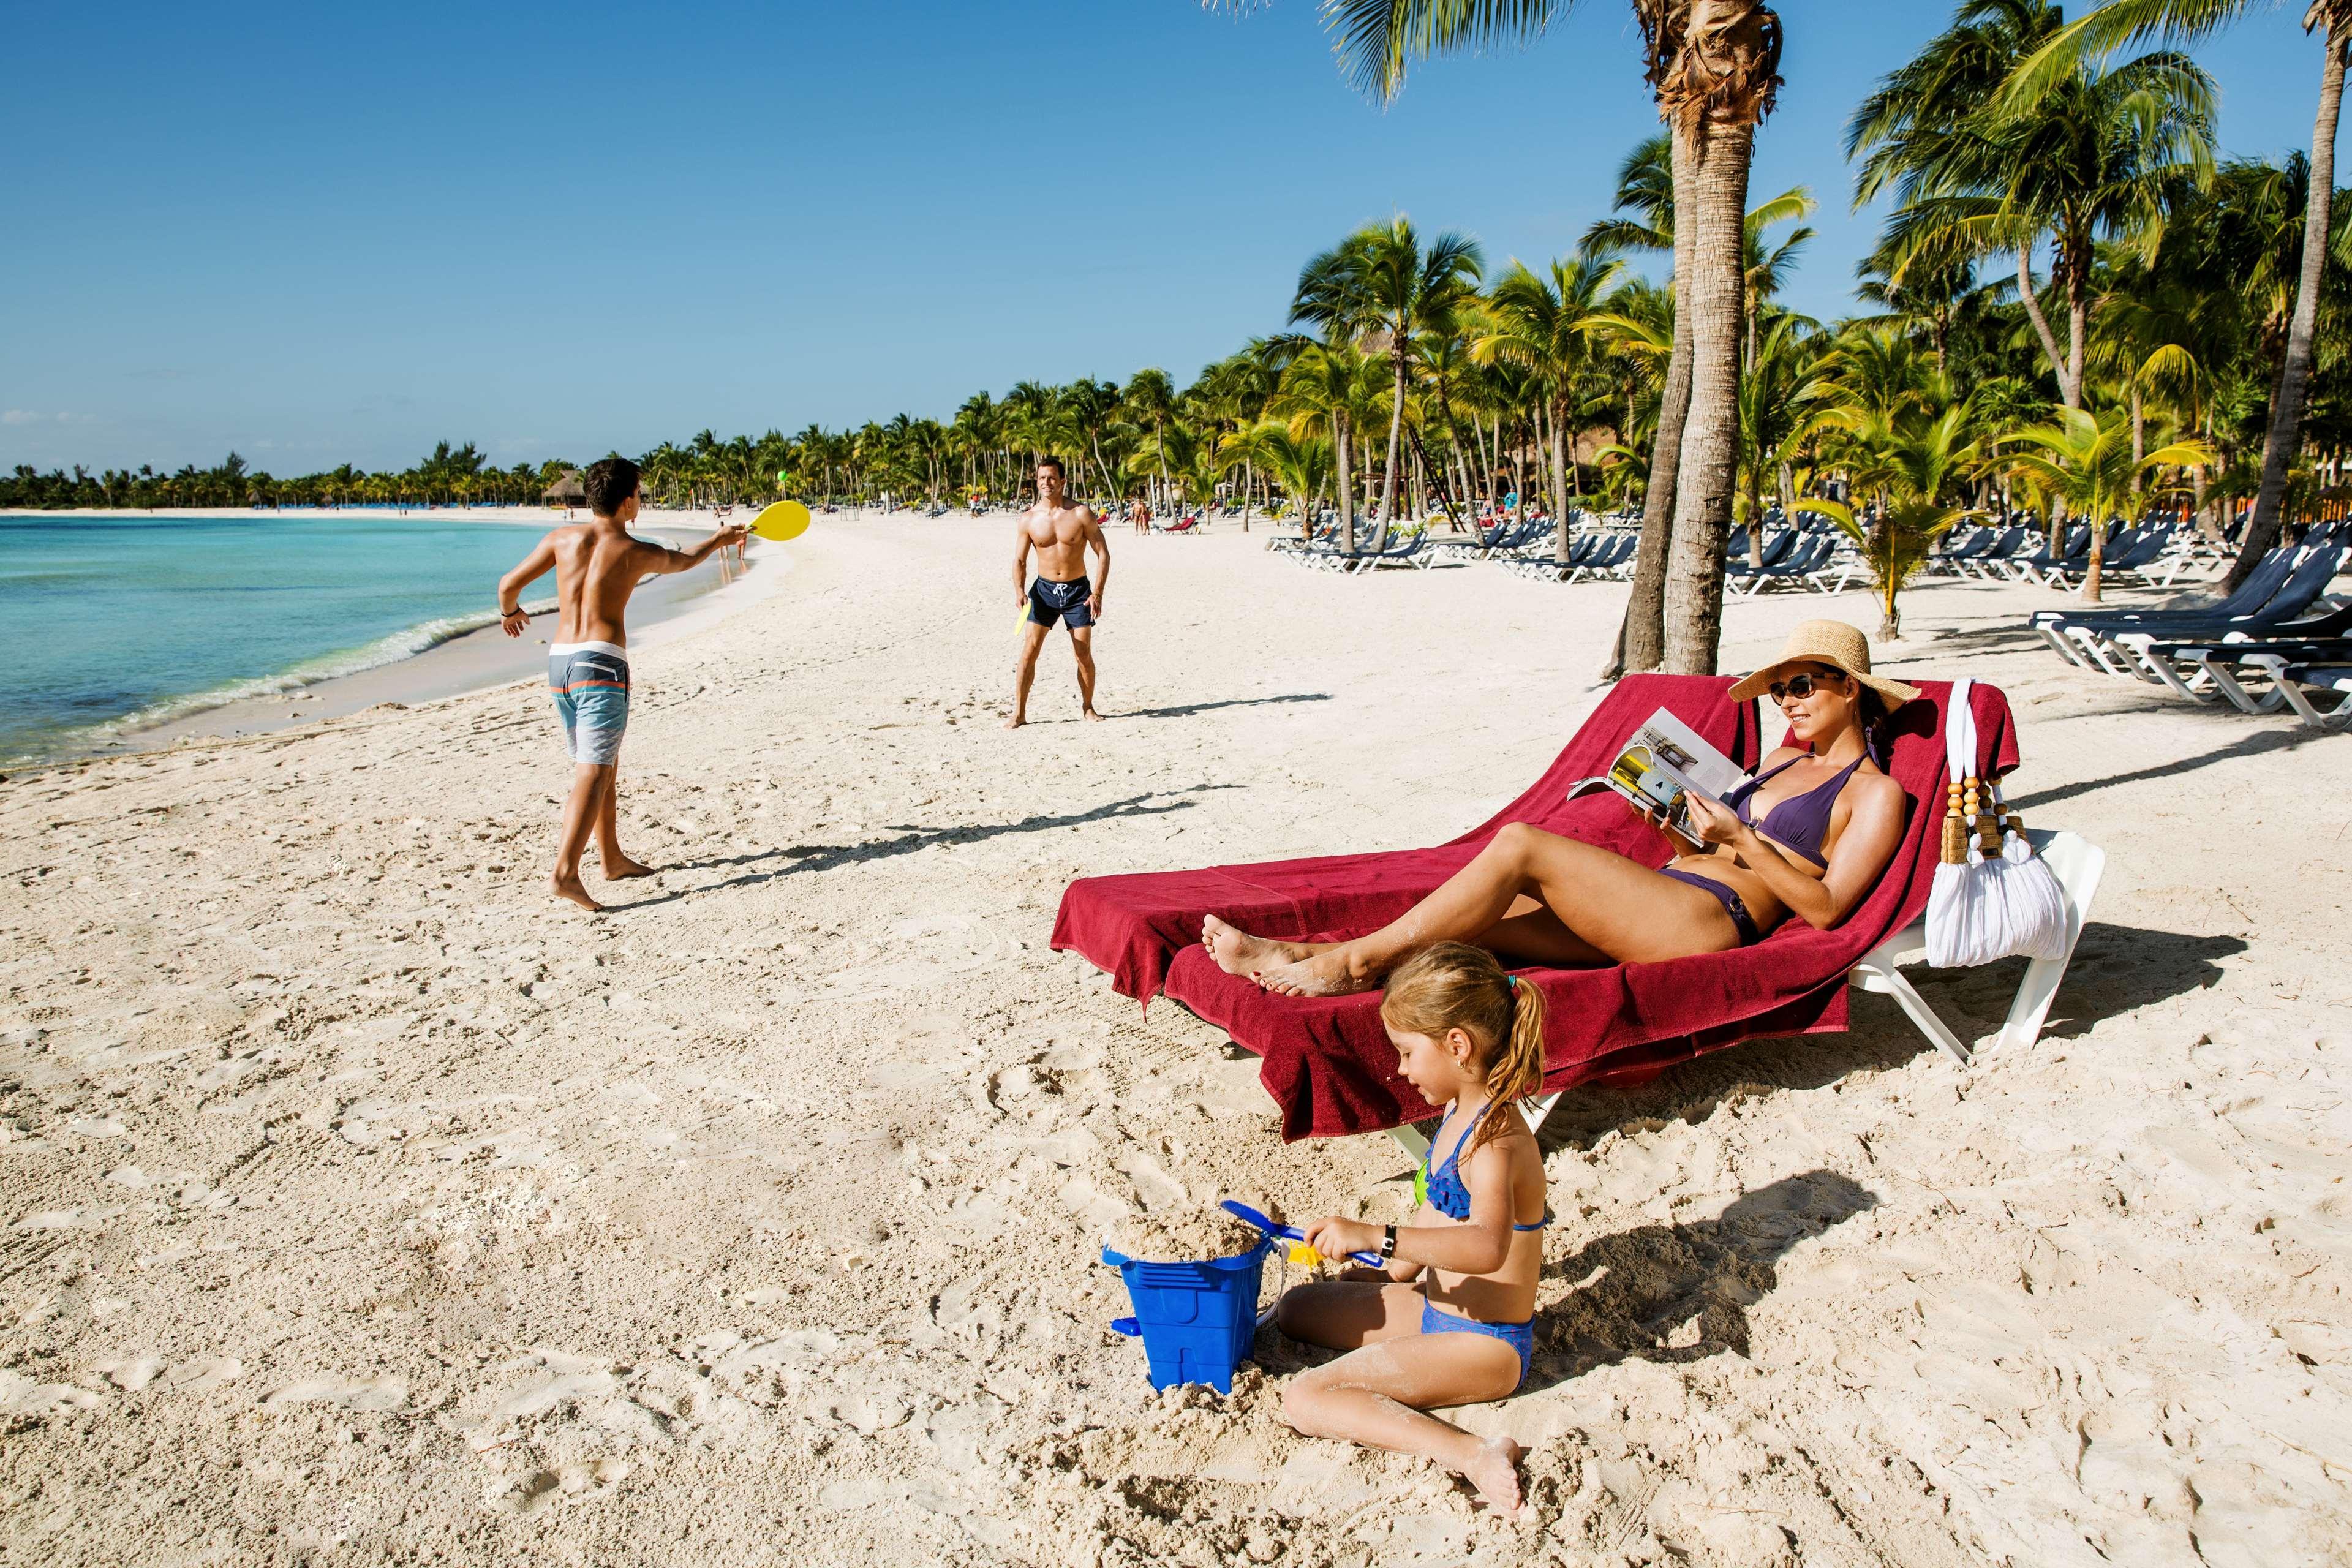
{"x": 1518, "y": 1070}
{"x": 1452, "y": 985}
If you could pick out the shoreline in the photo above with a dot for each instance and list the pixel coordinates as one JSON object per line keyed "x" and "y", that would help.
{"x": 475, "y": 659}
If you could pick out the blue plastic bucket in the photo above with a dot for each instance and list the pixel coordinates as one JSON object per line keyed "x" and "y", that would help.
{"x": 1196, "y": 1319}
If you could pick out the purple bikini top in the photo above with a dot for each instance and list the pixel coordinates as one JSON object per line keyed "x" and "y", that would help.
{"x": 1801, "y": 821}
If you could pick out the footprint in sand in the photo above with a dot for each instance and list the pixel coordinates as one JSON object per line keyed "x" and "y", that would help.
{"x": 202, "y": 1375}
{"x": 20, "y": 1395}
{"x": 863, "y": 1411}
{"x": 386, "y": 1392}
{"x": 130, "y": 1373}
{"x": 537, "y": 1488}
{"x": 1154, "y": 1187}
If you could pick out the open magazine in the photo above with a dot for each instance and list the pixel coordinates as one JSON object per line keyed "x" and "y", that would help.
{"x": 1663, "y": 762}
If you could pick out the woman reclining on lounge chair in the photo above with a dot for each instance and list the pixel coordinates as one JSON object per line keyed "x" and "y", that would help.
{"x": 1809, "y": 837}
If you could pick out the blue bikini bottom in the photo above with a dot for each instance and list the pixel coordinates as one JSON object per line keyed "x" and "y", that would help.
{"x": 1520, "y": 1337}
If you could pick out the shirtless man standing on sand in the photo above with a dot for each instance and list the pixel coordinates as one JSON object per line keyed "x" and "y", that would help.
{"x": 1061, "y": 534}
{"x": 597, "y": 566}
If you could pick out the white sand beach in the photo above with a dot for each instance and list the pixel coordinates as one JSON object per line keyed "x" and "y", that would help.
{"x": 365, "y": 1204}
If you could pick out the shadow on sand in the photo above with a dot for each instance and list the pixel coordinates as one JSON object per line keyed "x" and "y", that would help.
{"x": 911, "y": 838}
{"x": 2248, "y": 743}
{"x": 2115, "y": 970}
{"x": 1681, "y": 1292}
{"x": 1186, "y": 710}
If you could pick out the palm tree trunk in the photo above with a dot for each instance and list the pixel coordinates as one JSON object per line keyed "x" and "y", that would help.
{"x": 1396, "y": 433}
{"x": 1710, "y": 467}
{"x": 1347, "y": 490}
{"x": 1560, "y": 481}
{"x": 2078, "y": 321}
{"x": 2070, "y": 391}
{"x": 2140, "y": 443}
{"x": 2284, "y": 440}
{"x": 1641, "y": 637}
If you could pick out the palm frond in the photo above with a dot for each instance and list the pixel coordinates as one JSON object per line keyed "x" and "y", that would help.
{"x": 1374, "y": 39}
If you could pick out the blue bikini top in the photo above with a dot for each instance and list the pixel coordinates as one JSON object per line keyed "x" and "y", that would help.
{"x": 1799, "y": 822}
{"x": 1443, "y": 1184}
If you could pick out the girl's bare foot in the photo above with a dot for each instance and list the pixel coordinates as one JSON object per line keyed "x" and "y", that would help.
{"x": 1326, "y": 974}
{"x": 620, "y": 866}
{"x": 1238, "y": 953}
{"x": 1495, "y": 1471}
{"x": 569, "y": 888}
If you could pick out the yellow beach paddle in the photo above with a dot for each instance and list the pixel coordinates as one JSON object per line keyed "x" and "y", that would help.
{"x": 785, "y": 520}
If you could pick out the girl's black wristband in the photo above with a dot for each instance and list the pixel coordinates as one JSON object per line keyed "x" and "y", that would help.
{"x": 1388, "y": 1243}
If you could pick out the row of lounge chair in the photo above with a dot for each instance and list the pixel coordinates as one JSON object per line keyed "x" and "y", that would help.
{"x": 2276, "y": 642}
{"x": 2156, "y": 554}
{"x": 1792, "y": 558}
{"x": 1323, "y": 553}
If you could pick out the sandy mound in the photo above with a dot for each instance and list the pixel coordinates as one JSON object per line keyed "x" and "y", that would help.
{"x": 1185, "y": 1236}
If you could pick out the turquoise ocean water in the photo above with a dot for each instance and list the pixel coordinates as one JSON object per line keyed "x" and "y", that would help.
{"x": 118, "y": 621}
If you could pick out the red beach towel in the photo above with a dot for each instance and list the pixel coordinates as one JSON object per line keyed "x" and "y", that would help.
{"x": 1327, "y": 1062}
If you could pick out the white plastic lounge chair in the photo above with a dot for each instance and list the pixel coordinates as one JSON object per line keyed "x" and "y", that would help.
{"x": 2077, "y": 864}
{"x": 2294, "y": 682}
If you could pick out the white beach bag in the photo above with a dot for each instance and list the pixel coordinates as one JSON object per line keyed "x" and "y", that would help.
{"x": 1980, "y": 908}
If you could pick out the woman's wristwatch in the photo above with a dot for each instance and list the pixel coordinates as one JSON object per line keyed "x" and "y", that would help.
{"x": 1388, "y": 1243}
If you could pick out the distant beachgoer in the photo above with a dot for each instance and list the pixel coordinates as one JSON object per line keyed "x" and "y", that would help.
{"x": 1140, "y": 514}
{"x": 597, "y": 565}
{"x": 1449, "y": 1320}
{"x": 1061, "y": 533}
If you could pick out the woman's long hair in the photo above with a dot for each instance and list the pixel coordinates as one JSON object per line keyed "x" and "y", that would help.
{"x": 1452, "y": 985}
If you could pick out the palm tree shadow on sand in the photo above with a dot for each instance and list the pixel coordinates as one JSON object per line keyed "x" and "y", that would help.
{"x": 1681, "y": 1292}
{"x": 911, "y": 838}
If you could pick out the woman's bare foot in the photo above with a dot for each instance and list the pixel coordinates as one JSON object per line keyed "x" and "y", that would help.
{"x": 1495, "y": 1471}
{"x": 1238, "y": 953}
{"x": 1094, "y": 716}
{"x": 619, "y": 866}
{"x": 1015, "y": 721}
{"x": 1326, "y": 973}
{"x": 571, "y": 888}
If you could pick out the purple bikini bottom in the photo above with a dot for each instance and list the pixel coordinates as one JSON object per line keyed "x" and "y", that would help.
{"x": 1741, "y": 920}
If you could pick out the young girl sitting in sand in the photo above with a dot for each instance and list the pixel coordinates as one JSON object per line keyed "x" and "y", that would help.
{"x": 1469, "y": 1037}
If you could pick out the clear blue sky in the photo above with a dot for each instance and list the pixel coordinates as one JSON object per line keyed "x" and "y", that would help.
{"x": 321, "y": 232}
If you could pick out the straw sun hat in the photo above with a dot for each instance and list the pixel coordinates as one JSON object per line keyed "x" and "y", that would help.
{"x": 1832, "y": 643}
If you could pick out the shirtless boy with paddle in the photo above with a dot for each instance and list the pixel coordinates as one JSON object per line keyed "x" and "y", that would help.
{"x": 598, "y": 564}
{"x": 1061, "y": 534}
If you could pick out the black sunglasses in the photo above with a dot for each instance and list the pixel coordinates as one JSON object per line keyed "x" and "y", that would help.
{"x": 1801, "y": 685}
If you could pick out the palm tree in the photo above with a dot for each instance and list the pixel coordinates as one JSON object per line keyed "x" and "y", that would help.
{"x": 1546, "y": 325}
{"x": 1767, "y": 266}
{"x": 1380, "y": 279}
{"x": 1339, "y": 384}
{"x": 1151, "y": 401}
{"x": 2121, "y": 22}
{"x": 1029, "y": 415}
{"x": 1715, "y": 67}
{"x": 1780, "y": 395}
{"x": 1911, "y": 461}
{"x": 2085, "y": 463}
{"x": 2092, "y": 154}
{"x": 1300, "y": 464}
